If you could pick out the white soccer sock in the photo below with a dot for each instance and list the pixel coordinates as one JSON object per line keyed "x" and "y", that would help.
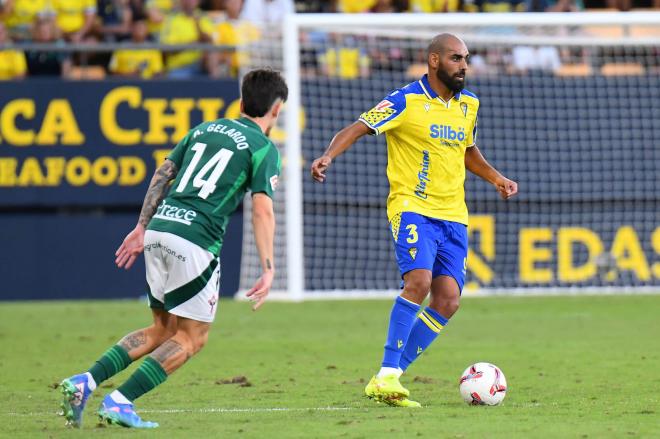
{"x": 90, "y": 381}
{"x": 119, "y": 398}
{"x": 389, "y": 371}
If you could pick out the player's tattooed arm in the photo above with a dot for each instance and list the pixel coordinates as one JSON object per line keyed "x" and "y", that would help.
{"x": 157, "y": 190}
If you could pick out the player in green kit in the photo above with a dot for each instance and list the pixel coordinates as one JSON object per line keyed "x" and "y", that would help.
{"x": 181, "y": 236}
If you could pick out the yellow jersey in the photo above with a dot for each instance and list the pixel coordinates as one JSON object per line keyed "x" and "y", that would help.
{"x": 146, "y": 62}
{"x": 426, "y": 142}
{"x": 23, "y": 14}
{"x": 344, "y": 62}
{"x": 12, "y": 64}
{"x": 434, "y": 5}
{"x": 355, "y": 6}
{"x": 71, "y": 13}
{"x": 164, "y": 6}
{"x": 179, "y": 28}
{"x": 236, "y": 33}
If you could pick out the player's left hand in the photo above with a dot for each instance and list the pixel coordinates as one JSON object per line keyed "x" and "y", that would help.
{"x": 132, "y": 246}
{"x": 259, "y": 291}
{"x": 507, "y": 188}
{"x": 319, "y": 167}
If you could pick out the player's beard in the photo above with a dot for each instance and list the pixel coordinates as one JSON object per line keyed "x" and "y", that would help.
{"x": 452, "y": 82}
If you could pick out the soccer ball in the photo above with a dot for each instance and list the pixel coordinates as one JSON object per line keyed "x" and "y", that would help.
{"x": 483, "y": 384}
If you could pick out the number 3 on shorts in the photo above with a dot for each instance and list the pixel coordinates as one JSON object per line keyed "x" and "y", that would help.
{"x": 412, "y": 233}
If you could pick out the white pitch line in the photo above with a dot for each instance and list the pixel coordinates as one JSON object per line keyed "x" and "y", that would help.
{"x": 249, "y": 410}
{"x": 212, "y": 410}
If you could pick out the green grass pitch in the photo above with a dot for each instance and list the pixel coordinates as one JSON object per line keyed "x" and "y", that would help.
{"x": 577, "y": 367}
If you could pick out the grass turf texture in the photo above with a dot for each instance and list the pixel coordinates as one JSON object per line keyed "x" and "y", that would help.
{"x": 576, "y": 367}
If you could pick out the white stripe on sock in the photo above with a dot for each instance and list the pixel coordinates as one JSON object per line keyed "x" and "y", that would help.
{"x": 90, "y": 381}
{"x": 389, "y": 371}
{"x": 119, "y": 398}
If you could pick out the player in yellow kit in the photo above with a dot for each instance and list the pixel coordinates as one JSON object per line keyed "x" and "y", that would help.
{"x": 431, "y": 131}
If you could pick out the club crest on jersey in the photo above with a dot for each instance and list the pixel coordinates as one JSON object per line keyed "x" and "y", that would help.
{"x": 464, "y": 108}
{"x": 274, "y": 181}
{"x": 212, "y": 301}
{"x": 413, "y": 252}
{"x": 427, "y": 107}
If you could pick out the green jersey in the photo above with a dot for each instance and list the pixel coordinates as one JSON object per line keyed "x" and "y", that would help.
{"x": 218, "y": 163}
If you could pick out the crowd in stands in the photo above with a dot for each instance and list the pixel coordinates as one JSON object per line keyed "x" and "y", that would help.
{"x": 230, "y": 23}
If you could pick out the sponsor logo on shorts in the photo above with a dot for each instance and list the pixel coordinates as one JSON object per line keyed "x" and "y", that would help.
{"x": 177, "y": 214}
{"x": 169, "y": 251}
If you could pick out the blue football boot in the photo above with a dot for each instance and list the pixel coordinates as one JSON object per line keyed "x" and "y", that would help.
{"x": 75, "y": 392}
{"x": 122, "y": 414}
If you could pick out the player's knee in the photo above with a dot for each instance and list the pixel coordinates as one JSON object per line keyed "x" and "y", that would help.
{"x": 161, "y": 333}
{"x": 196, "y": 340}
{"x": 168, "y": 332}
{"x": 451, "y": 306}
{"x": 156, "y": 334}
{"x": 446, "y": 306}
{"x": 418, "y": 286}
{"x": 163, "y": 328}
{"x": 200, "y": 341}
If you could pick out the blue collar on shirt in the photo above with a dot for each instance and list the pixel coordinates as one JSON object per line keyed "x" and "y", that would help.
{"x": 432, "y": 94}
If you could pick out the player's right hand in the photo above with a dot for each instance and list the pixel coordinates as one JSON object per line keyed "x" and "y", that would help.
{"x": 259, "y": 291}
{"x": 319, "y": 167}
{"x": 132, "y": 246}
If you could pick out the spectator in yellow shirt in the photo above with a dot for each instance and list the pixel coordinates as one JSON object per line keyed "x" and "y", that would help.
{"x": 236, "y": 32}
{"x": 156, "y": 11}
{"x": 355, "y": 6}
{"x": 429, "y": 6}
{"x": 143, "y": 63}
{"x": 76, "y": 18}
{"x": 494, "y": 6}
{"x": 18, "y": 16}
{"x": 188, "y": 26}
{"x": 344, "y": 59}
{"x": 12, "y": 62}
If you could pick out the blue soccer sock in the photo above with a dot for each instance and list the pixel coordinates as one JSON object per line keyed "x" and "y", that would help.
{"x": 401, "y": 321}
{"x": 428, "y": 325}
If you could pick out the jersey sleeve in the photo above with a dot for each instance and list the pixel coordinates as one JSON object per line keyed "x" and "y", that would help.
{"x": 388, "y": 114}
{"x": 266, "y": 166}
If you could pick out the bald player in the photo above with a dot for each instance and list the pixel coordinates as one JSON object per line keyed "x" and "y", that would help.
{"x": 431, "y": 133}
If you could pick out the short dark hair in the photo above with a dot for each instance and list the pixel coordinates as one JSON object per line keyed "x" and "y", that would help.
{"x": 260, "y": 89}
